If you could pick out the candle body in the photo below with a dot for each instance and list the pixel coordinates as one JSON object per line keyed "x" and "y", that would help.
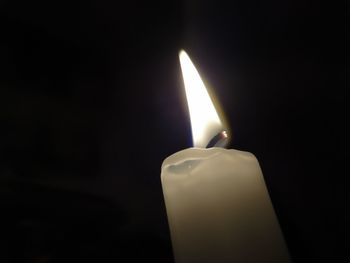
{"x": 219, "y": 209}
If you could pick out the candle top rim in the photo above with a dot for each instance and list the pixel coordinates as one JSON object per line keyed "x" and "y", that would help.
{"x": 194, "y": 153}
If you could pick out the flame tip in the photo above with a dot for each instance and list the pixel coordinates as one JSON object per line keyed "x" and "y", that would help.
{"x": 182, "y": 53}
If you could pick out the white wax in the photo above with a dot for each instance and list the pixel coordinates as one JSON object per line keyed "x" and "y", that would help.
{"x": 219, "y": 209}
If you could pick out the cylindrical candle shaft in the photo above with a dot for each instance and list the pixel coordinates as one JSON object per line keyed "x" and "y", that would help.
{"x": 219, "y": 209}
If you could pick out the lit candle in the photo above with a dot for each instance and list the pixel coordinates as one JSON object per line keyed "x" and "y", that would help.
{"x": 218, "y": 207}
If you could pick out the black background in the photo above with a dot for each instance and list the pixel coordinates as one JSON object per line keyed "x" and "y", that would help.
{"x": 91, "y": 102}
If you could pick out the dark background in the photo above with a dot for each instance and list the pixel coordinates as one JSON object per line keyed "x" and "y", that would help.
{"x": 91, "y": 102}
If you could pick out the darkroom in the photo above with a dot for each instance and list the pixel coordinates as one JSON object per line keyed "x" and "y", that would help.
{"x": 92, "y": 101}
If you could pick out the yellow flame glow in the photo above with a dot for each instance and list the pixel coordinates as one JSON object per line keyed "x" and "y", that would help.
{"x": 205, "y": 121}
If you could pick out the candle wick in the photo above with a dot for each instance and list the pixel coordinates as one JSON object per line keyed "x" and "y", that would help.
{"x": 219, "y": 140}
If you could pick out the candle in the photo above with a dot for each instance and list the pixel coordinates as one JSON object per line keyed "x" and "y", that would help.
{"x": 218, "y": 207}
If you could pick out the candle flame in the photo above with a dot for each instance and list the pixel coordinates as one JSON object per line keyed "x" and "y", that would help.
{"x": 207, "y": 128}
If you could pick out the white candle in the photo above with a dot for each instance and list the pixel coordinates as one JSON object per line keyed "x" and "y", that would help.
{"x": 217, "y": 203}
